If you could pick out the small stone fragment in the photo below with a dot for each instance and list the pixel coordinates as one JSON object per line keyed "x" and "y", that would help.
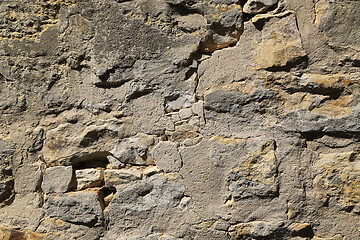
{"x": 57, "y": 179}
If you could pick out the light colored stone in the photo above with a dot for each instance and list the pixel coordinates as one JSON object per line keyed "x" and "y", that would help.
{"x": 258, "y": 6}
{"x": 338, "y": 175}
{"x": 256, "y": 229}
{"x": 185, "y": 113}
{"x": 114, "y": 162}
{"x": 57, "y": 179}
{"x": 90, "y": 177}
{"x": 280, "y": 44}
{"x": 167, "y": 157}
{"x": 257, "y": 175}
{"x": 134, "y": 150}
{"x": 116, "y": 177}
{"x": 151, "y": 170}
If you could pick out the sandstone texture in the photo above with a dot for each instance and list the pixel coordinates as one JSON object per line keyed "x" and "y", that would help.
{"x": 179, "y": 119}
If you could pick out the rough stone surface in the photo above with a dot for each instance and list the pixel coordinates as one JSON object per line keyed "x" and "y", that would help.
{"x": 81, "y": 208}
{"x": 57, "y": 179}
{"x": 167, "y": 157}
{"x": 88, "y": 178}
{"x": 221, "y": 119}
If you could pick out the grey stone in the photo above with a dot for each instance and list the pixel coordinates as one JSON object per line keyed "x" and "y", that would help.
{"x": 28, "y": 178}
{"x": 167, "y": 157}
{"x": 83, "y": 208}
{"x": 57, "y": 179}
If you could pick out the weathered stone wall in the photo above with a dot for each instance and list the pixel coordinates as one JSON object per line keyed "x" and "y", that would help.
{"x": 179, "y": 119}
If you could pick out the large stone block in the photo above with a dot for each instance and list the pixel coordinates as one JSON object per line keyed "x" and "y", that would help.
{"x": 57, "y": 179}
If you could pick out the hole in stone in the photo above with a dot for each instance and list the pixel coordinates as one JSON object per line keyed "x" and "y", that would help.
{"x": 92, "y": 160}
{"x": 106, "y": 194}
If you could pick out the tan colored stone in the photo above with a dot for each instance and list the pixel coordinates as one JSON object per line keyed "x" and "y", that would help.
{"x": 257, "y": 175}
{"x": 13, "y": 233}
{"x": 338, "y": 174}
{"x": 87, "y": 178}
{"x": 280, "y": 44}
{"x": 121, "y": 176}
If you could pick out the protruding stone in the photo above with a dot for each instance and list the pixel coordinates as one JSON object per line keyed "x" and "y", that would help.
{"x": 89, "y": 177}
{"x": 57, "y": 179}
{"x": 134, "y": 150}
{"x": 167, "y": 157}
{"x": 258, "y": 6}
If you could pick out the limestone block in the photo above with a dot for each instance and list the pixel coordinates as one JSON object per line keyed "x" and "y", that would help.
{"x": 88, "y": 178}
{"x": 57, "y": 179}
{"x": 28, "y": 178}
{"x": 121, "y": 176}
{"x": 82, "y": 207}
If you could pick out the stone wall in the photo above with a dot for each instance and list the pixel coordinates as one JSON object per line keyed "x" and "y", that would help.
{"x": 179, "y": 119}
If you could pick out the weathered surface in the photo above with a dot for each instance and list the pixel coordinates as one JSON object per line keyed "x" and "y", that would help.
{"x": 82, "y": 208}
{"x": 159, "y": 119}
{"x": 57, "y": 179}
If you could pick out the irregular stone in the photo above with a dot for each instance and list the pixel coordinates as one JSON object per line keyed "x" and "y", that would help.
{"x": 302, "y": 230}
{"x": 181, "y": 101}
{"x": 66, "y": 143}
{"x": 191, "y": 23}
{"x": 151, "y": 170}
{"x": 58, "y": 179}
{"x": 25, "y": 210}
{"x": 114, "y": 162}
{"x": 145, "y": 195}
{"x": 336, "y": 22}
{"x": 116, "y": 177}
{"x": 256, "y": 176}
{"x": 221, "y": 225}
{"x": 225, "y": 27}
{"x": 28, "y": 178}
{"x": 280, "y": 45}
{"x": 134, "y": 150}
{"x": 11, "y": 233}
{"x": 256, "y": 229}
{"x": 185, "y": 113}
{"x": 258, "y": 6}
{"x": 82, "y": 207}
{"x": 337, "y": 175}
{"x": 68, "y": 231}
{"x": 167, "y": 157}
{"x": 87, "y": 178}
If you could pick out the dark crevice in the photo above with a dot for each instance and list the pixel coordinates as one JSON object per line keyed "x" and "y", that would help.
{"x": 106, "y": 75}
{"x": 92, "y": 160}
{"x": 333, "y": 93}
{"x": 183, "y": 9}
{"x": 138, "y": 93}
{"x": 313, "y": 135}
{"x": 111, "y": 84}
{"x": 299, "y": 63}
